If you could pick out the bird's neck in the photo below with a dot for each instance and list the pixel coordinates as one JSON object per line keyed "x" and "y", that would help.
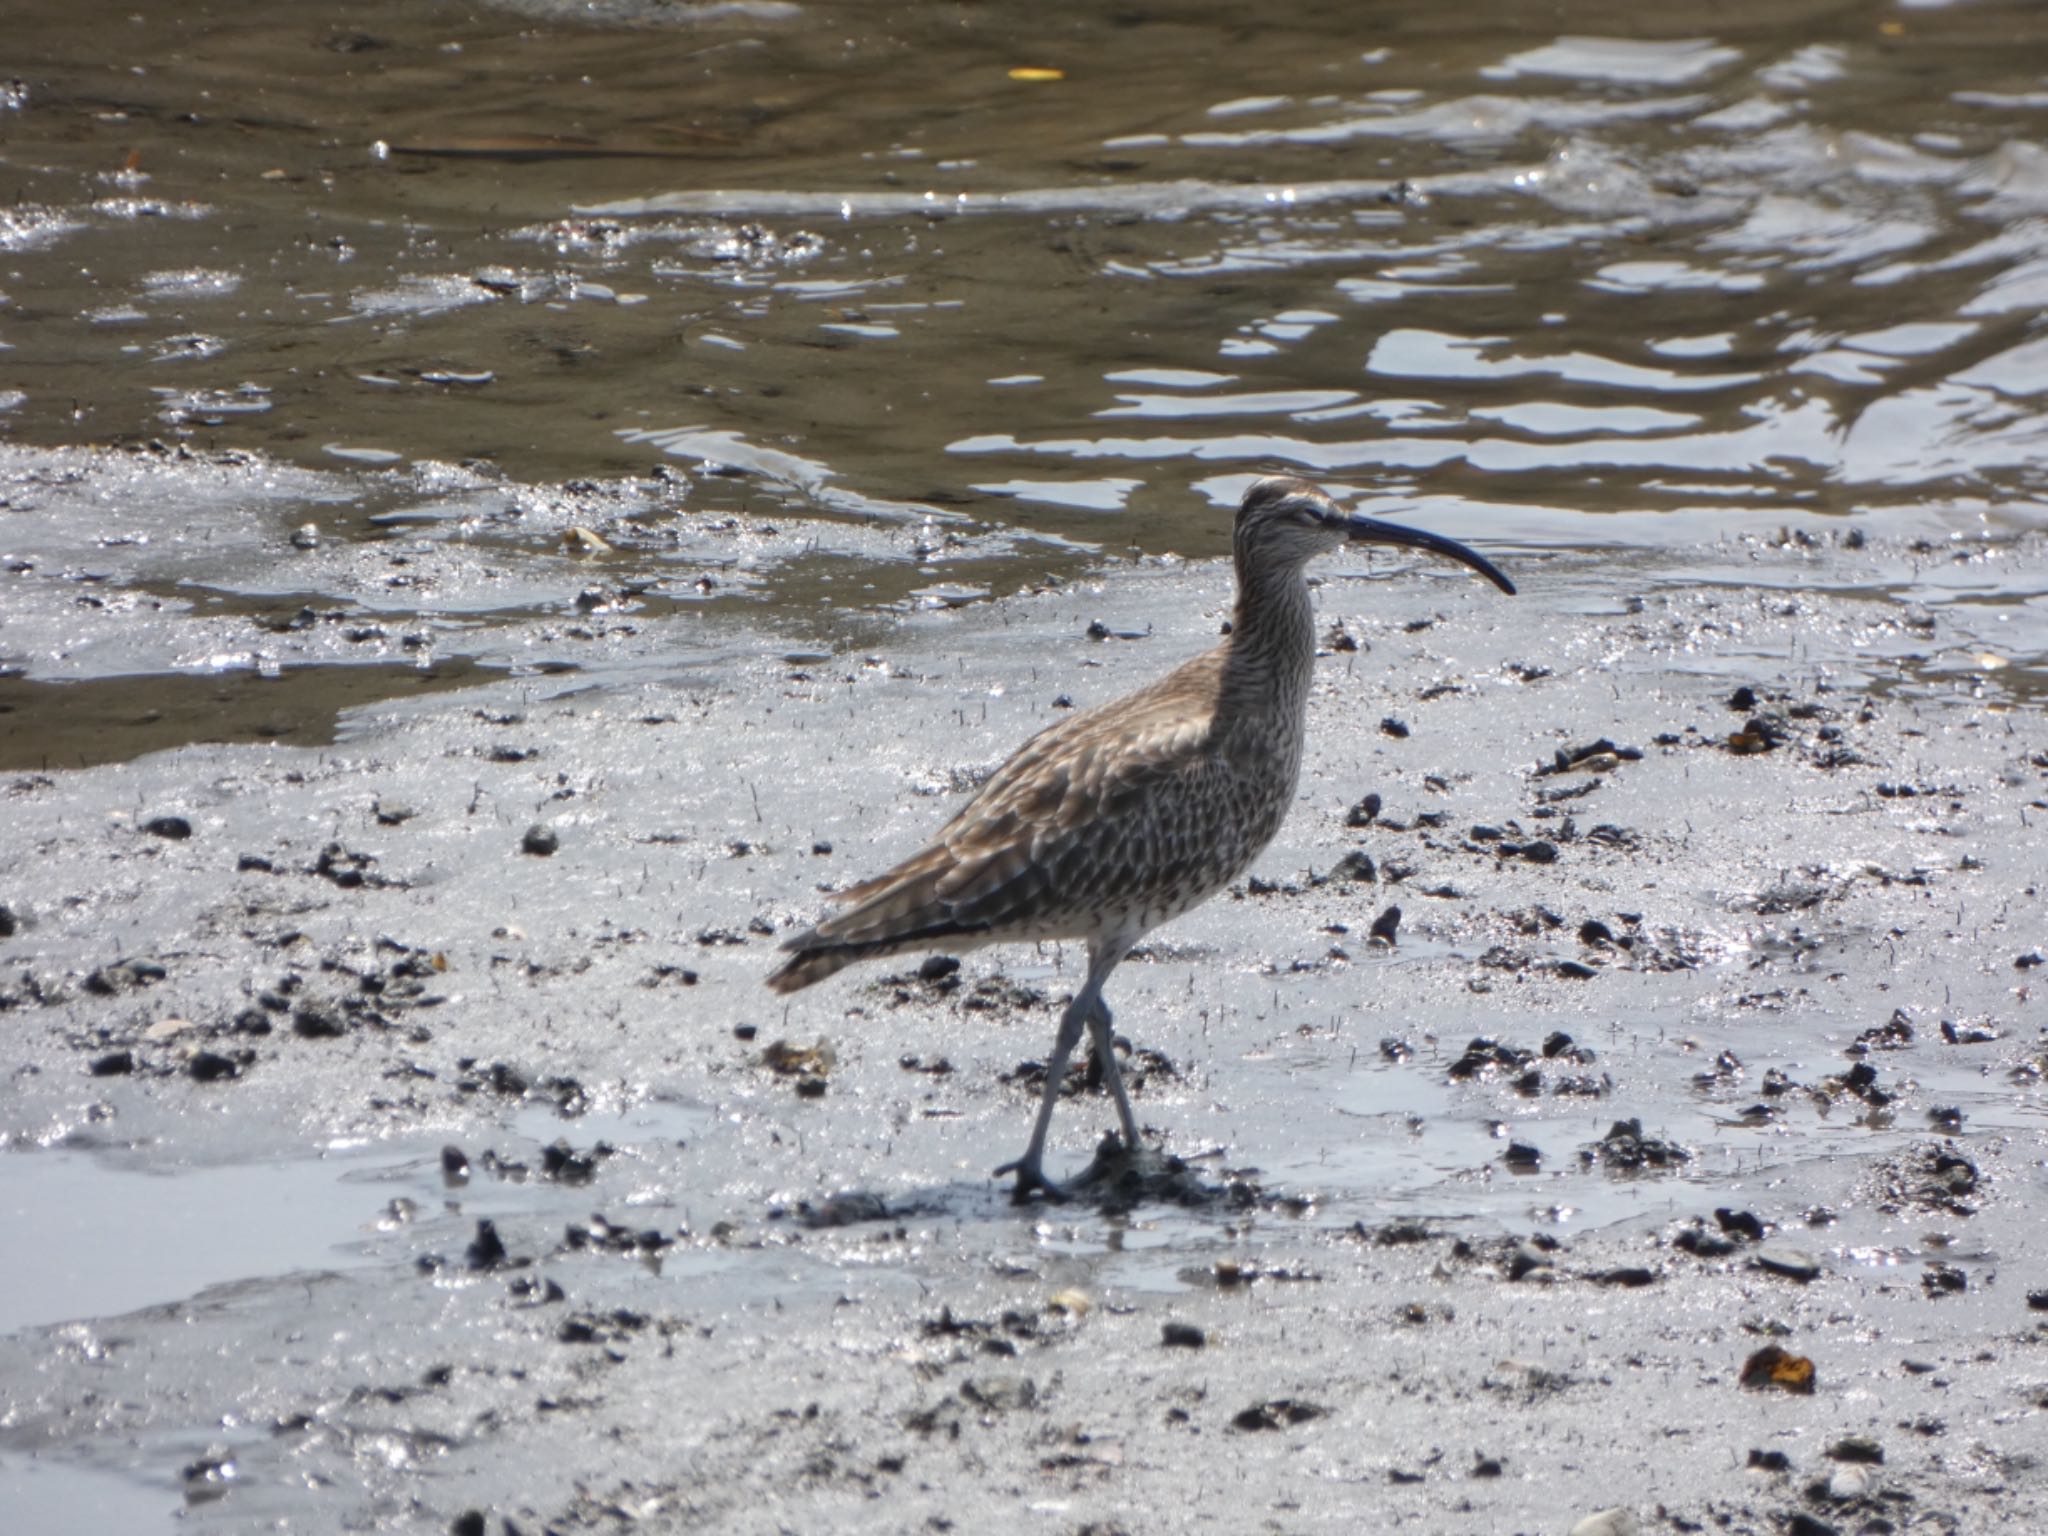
{"x": 1272, "y": 637}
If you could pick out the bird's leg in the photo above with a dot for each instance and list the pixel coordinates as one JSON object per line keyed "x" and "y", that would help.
{"x": 1105, "y": 1052}
{"x": 1081, "y": 1012}
{"x": 1029, "y": 1169}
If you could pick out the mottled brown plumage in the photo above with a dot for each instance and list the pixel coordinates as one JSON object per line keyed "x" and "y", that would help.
{"x": 1123, "y": 816}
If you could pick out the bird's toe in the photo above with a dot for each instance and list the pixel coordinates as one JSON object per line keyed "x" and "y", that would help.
{"x": 1031, "y": 1181}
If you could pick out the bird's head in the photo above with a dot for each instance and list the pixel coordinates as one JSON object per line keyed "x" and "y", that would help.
{"x": 1283, "y": 523}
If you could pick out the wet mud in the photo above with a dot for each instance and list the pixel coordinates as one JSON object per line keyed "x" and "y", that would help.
{"x": 1715, "y": 1036}
{"x": 502, "y": 511}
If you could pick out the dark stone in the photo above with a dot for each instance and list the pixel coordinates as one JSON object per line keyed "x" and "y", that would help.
{"x": 1941, "y": 1280}
{"x": 1702, "y": 1244}
{"x": 487, "y": 1249}
{"x": 176, "y": 828}
{"x": 1182, "y": 1336}
{"x": 211, "y": 1067}
{"x": 1356, "y": 865}
{"x": 315, "y": 1021}
{"x": 1742, "y": 1224}
{"x": 1632, "y": 1276}
{"x": 113, "y": 1064}
{"x": 1279, "y": 1412}
{"x": 540, "y": 840}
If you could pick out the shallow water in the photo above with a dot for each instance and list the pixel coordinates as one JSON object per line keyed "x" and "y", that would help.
{"x": 1452, "y": 260}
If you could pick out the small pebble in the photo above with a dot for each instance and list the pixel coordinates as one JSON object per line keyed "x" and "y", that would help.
{"x": 1608, "y": 1522}
{"x": 540, "y": 840}
{"x": 1182, "y": 1336}
{"x": 1789, "y": 1262}
{"x": 176, "y": 828}
{"x": 306, "y": 536}
{"x": 1846, "y": 1483}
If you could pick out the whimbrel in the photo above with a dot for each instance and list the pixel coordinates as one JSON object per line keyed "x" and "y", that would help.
{"x": 1120, "y": 817}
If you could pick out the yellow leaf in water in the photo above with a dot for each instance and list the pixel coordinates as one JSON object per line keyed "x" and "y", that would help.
{"x": 1030, "y": 72}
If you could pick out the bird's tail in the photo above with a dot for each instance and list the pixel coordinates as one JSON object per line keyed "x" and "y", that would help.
{"x": 904, "y": 909}
{"x": 816, "y": 958}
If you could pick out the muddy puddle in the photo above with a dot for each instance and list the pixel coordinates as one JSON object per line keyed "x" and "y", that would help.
{"x": 501, "y": 508}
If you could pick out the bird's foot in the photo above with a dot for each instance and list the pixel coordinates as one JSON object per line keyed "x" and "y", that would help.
{"x": 1031, "y": 1180}
{"x": 1122, "y": 1178}
{"x": 1114, "y": 1160}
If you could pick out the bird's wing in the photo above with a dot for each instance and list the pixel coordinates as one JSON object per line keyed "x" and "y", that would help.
{"x": 1059, "y": 808}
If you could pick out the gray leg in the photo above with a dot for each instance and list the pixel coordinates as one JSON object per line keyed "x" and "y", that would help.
{"x": 1105, "y": 1052}
{"x": 1030, "y": 1168}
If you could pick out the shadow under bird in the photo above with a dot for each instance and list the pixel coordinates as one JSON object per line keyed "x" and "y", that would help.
{"x": 1122, "y": 817}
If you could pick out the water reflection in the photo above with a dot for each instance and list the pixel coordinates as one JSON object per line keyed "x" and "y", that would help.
{"x": 1786, "y": 261}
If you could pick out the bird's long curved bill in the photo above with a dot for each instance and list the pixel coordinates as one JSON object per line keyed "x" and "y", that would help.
{"x": 1370, "y": 530}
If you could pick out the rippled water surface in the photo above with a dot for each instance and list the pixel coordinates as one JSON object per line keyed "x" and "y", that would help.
{"x": 1067, "y": 272}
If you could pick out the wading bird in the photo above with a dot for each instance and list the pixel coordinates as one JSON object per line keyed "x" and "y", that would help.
{"x": 1124, "y": 816}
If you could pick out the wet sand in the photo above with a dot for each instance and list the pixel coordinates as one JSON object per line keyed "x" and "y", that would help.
{"x": 1769, "y": 931}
